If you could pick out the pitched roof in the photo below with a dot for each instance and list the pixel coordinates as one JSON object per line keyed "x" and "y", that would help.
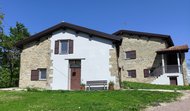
{"x": 64, "y": 25}
{"x": 182, "y": 48}
{"x": 153, "y": 35}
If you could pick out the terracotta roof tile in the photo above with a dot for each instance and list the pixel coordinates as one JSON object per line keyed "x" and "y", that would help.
{"x": 182, "y": 48}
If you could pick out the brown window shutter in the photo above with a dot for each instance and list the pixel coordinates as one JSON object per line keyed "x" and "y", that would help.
{"x": 70, "y": 46}
{"x": 133, "y": 74}
{"x": 56, "y": 47}
{"x": 146, "y": 73}
{"x": 34, "y": 75}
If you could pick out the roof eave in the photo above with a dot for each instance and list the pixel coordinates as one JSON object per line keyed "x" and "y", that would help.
{"x": 65, "y": 25}
{"x": 174, "y": 51}
{"x": 165, "y": 37}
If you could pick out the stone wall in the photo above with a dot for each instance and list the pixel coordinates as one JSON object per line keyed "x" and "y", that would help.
{"x": 184, "y": 69}
{"x": 146, "y": 56}
{"x": 114, "y": 67}
{"x": 33, "y": 56}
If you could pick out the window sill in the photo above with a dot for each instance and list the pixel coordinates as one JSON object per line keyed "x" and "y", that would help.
{"x": 131, "y": 77}
{"x": 42, "y": 80}
{"x": 129, "y": 58}
{"x": 64, "y": 54}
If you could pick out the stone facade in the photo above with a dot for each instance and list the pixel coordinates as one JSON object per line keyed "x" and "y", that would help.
{"x": 33, "y": 56}
{"x": 38, "y": 55}
{"x": 114, "y": 66}
{"x": 146, "y": 56}
{"x": 184, "y": 69}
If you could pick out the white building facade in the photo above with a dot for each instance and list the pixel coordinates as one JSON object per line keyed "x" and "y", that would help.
{"x": 91, "y": 52}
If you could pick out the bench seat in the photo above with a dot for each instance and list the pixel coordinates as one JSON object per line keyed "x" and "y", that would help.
{"x": 97, "y": 85}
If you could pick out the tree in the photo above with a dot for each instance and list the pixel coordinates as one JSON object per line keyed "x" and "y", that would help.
{"x": 1, "y": 35}
{"x": 10, "y": 54}
{"x": 1, "y": 19}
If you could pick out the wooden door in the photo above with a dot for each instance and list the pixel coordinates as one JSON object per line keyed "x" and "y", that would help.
{"x": 75, "y": 78}
{"x": 173, "y": 80}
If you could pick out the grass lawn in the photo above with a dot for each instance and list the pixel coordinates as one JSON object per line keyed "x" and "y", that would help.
{"x": 136, "y": 85}
{"x": 82, "y": 100}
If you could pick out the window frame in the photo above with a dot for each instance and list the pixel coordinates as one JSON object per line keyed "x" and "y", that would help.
{"x": 60, "y": 47}
{"x": 75, "y": 63}
{"x": 131, "y": 76}
{"x": 128, "y": 58}
{"x": 144, "y": 71}
{"x": 39, "y": 73}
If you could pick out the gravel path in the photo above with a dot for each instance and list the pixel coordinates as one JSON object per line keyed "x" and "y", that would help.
{"x": 183, "y": 104}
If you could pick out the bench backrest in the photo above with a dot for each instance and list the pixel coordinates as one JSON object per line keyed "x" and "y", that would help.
{"x": 97, "y": 82}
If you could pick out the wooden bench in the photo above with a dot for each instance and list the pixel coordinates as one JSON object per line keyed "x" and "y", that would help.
{"x": 101, "y": 83}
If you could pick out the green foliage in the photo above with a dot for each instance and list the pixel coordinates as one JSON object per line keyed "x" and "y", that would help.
{"x": 82, "y": 100}
{"x": 33, "y": 89}
{"x": 1, "y": 19}
{"x": 4, "y": 78}
{"x": 9, "y": 54}
{"x": 19, "y": 32}
{"x": 136, "y": 85}
{"x": 111, "y": 83}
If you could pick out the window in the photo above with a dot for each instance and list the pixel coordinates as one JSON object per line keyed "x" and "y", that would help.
{"x": 63, "y": 47}
{"x": 130, "y": 54}
{"x": 146, "y": 73}
{"x": 42, "y": 74}
{"x": 132, "y": 73}
{"x": 75, "y": 63}
{"x": 39, "y": 74}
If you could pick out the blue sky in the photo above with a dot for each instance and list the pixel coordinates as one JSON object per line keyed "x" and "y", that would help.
{"x": 170, "y": 17}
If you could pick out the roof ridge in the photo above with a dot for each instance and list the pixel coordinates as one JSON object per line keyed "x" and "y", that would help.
{"x": 162, "y": 36}
{"x": 135, "y": 31}
{"x": 63, "y": 25}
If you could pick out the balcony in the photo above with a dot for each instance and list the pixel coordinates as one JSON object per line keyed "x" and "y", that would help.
{"x": 173, "y": 69}
{"x": 166, "y": 69}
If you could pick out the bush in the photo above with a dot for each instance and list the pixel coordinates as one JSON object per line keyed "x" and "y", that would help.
{"x": 4, "y": 78}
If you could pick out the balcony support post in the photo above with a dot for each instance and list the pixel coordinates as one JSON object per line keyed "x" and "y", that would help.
{"x": 178, "y": 63}
{"x": 163, "y": 64}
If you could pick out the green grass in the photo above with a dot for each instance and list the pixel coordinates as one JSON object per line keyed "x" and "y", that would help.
{"x": 82, "y": 101}
{"x": 136, "y": 85}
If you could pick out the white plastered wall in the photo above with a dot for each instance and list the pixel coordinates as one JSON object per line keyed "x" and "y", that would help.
{"x": 93, "y": 51}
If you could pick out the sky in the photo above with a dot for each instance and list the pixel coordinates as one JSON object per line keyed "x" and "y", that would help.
{"x": 171, "y": 17}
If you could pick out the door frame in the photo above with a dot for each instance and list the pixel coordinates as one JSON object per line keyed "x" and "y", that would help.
{"x": 69, "y": 70}
{"x": 77, "y": 80}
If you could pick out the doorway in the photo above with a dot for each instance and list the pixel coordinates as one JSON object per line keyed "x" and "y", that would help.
{"x": 75, "y": 74}
{"x": 173, "y": 80}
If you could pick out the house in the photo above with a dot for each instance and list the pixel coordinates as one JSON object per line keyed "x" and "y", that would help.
{"x": 66, "y": 55}
{"x": 151, "y": 58}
